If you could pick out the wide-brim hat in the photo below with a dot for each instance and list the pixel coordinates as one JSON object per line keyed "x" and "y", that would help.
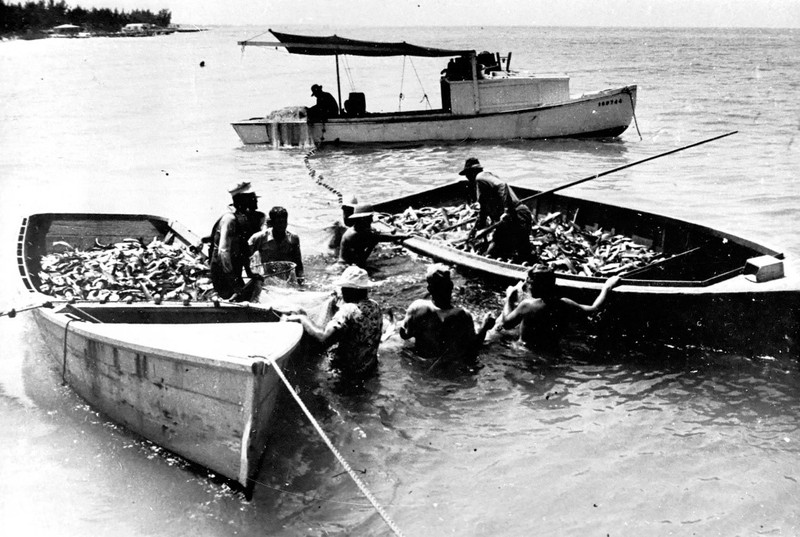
{"x": 242, "y": 188}
{"x": 362, "y": 211}
{"x": 354, "y": 277}
{"x": 471, "y": 164}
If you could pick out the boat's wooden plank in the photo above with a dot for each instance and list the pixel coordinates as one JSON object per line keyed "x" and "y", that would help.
{"x": 199, "y": 412}
{"x": 229, "y": 342}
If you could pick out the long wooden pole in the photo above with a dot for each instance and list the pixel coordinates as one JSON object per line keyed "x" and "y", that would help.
{"x": 486, "y": 230}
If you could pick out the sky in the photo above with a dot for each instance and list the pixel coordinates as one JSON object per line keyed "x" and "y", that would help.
{"x": 625, "y": 13}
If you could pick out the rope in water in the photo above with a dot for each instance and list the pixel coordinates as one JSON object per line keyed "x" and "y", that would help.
{"x": 333, "y": 449}
{"x": 319, "y": 178}
{"x": 633, "y": 111}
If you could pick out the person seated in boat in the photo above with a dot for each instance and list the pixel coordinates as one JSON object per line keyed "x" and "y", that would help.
{"x": 359, "y": 239}
{"x": 542, "y": 313}
{"x": 326, "y": 106}
{"x": 229, "y": 251}
{"x": 499, "y": 206}
{"x": 278, "y": 244}
{"x": 442, "y": 332}
{"x": 356, "y": 328}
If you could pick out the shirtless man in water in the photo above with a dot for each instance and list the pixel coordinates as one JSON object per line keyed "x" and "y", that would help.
{"x": 441, "y": 331}
{"x": 543, "y": 314}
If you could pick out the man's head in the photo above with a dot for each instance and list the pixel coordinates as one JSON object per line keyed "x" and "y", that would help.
{"x": 315, "y": 89}
{"x": 439, "y": 283}
{"x": 361, "y": 217}
{"x": 244, "y": 197}
{"x": 472, "y": 167}
{"x": 278, "y": 219}
{"x": 355, "y": 283}
{"x": 541, "y": 282}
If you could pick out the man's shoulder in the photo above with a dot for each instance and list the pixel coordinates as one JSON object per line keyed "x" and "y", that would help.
{"x": 259, "y": 236}
{"x": 459, "y": 314}
{"x": 227, "y": 216}
{"x": 487, "y": 177}
{"x": 531, "y": 305}
{"x": 420, "y": 305}
{"x": 292, "y": 238}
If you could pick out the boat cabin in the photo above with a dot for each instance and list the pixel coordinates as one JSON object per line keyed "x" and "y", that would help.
{"x": 491, "y": 88}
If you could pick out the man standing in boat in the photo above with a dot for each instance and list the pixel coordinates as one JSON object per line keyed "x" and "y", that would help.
{"x": 279, "y": 244}
{"x": 326, "y": 106}
{"x": 442, "y": 332}
{"x": 230, "y": 252}
{"x": 499, "y": 206}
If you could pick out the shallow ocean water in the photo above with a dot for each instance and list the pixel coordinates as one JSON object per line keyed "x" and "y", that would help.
{"x": 613, "y": 437}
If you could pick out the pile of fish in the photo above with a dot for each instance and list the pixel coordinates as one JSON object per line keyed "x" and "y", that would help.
{"x": 287, "y": 113}
{"x": 126, "y": 271}
{"x": 556, "y": 240}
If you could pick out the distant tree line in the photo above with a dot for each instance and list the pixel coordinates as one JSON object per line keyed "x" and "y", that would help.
{"x": 39, "y": 16}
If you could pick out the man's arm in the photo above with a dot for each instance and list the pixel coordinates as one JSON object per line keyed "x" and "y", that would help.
{"x": 297, "y": 258}
{"x": 610, "y": 283}
{"x": 226, "y": 234}
{"x": 513, "y": 308}
{"x": 406, "y": 329}
{"x": 323, "y": 335}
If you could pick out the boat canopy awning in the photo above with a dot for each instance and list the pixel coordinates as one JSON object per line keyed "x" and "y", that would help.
{"x": 334, "y": 45}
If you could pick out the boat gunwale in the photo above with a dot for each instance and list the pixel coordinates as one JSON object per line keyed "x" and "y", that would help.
{"x": 222, "y": 362}
{"x": 62, "y": 318}
{"x": 440, "y": 114}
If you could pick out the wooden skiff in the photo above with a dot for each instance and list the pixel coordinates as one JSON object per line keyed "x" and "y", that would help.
{"x": 193, "y": 378}
{"x": 706, "y": 283}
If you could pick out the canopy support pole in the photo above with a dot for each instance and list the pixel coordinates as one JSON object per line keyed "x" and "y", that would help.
{"x": 338, "y": 84}
{"x": 473, "y": 60}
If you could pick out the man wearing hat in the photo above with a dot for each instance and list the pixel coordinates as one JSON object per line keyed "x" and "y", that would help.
{"x": 229, "y": 251}
{"x": 359, "y": 239}
{"x": 356, "y": 327}
{"x": 499, "y": 205}
{"x": 326, "y": 106}
{"x": 542, "y": 314}
{"x": 441, "y": 331}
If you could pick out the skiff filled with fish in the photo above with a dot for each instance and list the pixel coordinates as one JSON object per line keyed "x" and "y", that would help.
{"x": 705, "y": 283}
{"x": 127, "y": 319}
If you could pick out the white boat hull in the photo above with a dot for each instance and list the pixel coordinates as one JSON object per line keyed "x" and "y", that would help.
{"x": 606, "y": 113}
{"x": 202, "y": 391}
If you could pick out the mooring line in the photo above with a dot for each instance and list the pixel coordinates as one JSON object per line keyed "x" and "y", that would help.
{"x": 320, "y": 180}
{"x": 633, "y": 111}
{"x": 342, "y": 461}
{"x": 306, "y": 496}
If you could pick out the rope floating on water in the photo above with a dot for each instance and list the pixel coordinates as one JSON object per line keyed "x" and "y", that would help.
{"x": 318, "y": 178}
{"x": 333, "y": 449}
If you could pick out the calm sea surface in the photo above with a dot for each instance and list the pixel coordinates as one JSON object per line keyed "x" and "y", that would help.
{"x": 639, "y": 439}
